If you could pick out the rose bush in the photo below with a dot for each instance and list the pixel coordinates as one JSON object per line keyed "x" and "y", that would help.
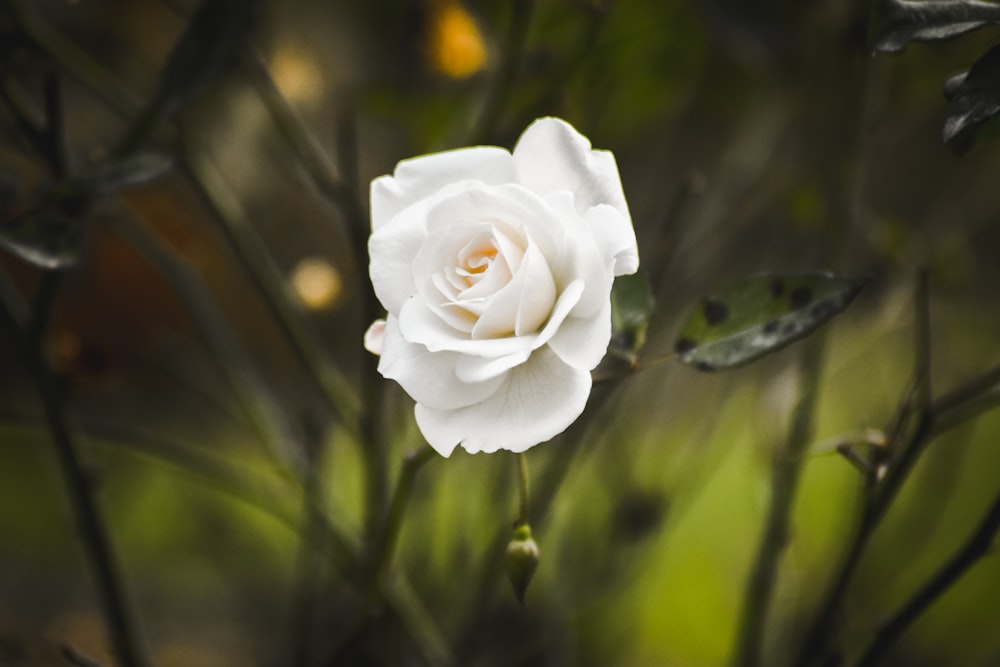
{"x": 495, "y": 269}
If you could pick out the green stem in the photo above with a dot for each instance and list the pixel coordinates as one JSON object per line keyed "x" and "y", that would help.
{"x": 523, "y": 488}
{"x": 394, "y": 521}
{"x": 976, "y": 546}
{"x": 784, "y": 484}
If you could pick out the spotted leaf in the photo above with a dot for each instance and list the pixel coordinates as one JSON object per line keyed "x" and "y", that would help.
{"x": 759, "y": 315}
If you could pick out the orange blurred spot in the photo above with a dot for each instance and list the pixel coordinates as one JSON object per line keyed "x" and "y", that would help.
{"x": 455, "y": 44}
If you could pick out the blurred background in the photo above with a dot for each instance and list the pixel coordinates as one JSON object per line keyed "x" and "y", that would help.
{"x": 206, "y": 344}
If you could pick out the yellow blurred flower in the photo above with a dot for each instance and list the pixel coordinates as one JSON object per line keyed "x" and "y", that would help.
{"x": 455, "y": 45}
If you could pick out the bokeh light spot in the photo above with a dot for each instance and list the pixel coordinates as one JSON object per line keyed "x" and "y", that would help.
{"x": 316, "y": 283}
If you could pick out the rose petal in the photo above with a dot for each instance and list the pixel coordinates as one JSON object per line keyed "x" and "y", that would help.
{"x": 523, "y": 304}
{"x": 615, "y": 237}
{"x": 551, "y": 155}
{"x": 475, "y": 368}
{"x": 419, "y": 324}
{"x": 429, "y": 377}
{"x": 582, "y": 259}
{"x": 510, "y": 208}
{"x": 421, "y": 177}
{"x": 538, "y": 400}
{"x": 374, "y": 336}
{"x": 391, "y": 251}
{"x": 582, "y": 342}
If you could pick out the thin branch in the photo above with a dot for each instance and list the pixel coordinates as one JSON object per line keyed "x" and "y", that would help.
{"x": 968, "y": 401}
{"x": 978, "y": 544}
{"x": 258, "y": 265}
{"x": 400, "y": 499}
{"x": 784, "y": 485}
{"x": 251, "y": 392}
{"x": 93, "y": 533}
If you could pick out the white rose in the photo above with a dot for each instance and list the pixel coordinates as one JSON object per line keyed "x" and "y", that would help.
{"x": 496, "y": 269}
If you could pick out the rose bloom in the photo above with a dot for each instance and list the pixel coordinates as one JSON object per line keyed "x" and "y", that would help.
{"x": 496, "y": 270}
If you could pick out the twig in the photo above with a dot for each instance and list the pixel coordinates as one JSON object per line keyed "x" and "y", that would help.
{"x": 400, "y": 499}
{"x": 976, "y": 546}
{"x": 966, "y": 402}
{"x": 93, "y": 533}
{"x": 249, "y": 389}
{"x": 73, "y": 59}
{"x": 259, "y": 267}
{"x": 784, "y": 484}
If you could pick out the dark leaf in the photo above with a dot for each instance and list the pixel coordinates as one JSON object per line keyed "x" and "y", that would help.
{"x": 974, "y": 98}
{"x": 44, "y": 237}
{"x": 631, "y": 310}
{"x": 135, "y": 169}
{"x": 899, "y": 22}
{"x": 759, "y": 315}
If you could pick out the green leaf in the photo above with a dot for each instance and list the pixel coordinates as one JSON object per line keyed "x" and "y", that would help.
{"x": 631, "y": 310}
{"x": 760, "y": 315}
{"x": 44, "y": 237}
{"x": 974, "y": 99}
{"x": 900, "y": 22}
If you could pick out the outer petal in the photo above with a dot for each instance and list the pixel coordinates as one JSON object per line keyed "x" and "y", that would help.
{"x": 421, "y": 177}
{"x": 391, "y": 251}
{"x": 538, "y": 400}
{"x": 429, "y": 377}
{"x": 615, "y": 237}
{"x": 582, "y": 342}
{"x": 551, "y": 155}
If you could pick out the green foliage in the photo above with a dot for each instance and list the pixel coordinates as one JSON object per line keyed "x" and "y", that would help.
{"x": 760, "y": 315}
{"x": 631, "y": 309}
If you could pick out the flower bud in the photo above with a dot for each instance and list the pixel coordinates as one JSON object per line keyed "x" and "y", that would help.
{"x": 521, "y": 559}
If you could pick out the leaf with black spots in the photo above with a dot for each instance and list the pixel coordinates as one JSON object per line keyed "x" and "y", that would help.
{"x": 973, "y": 99}
{"x": 759, "y": 315}
{"x": 900, "y": 22}
{"x": 44, "y": 237}
{"x": 631, "y": 310}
